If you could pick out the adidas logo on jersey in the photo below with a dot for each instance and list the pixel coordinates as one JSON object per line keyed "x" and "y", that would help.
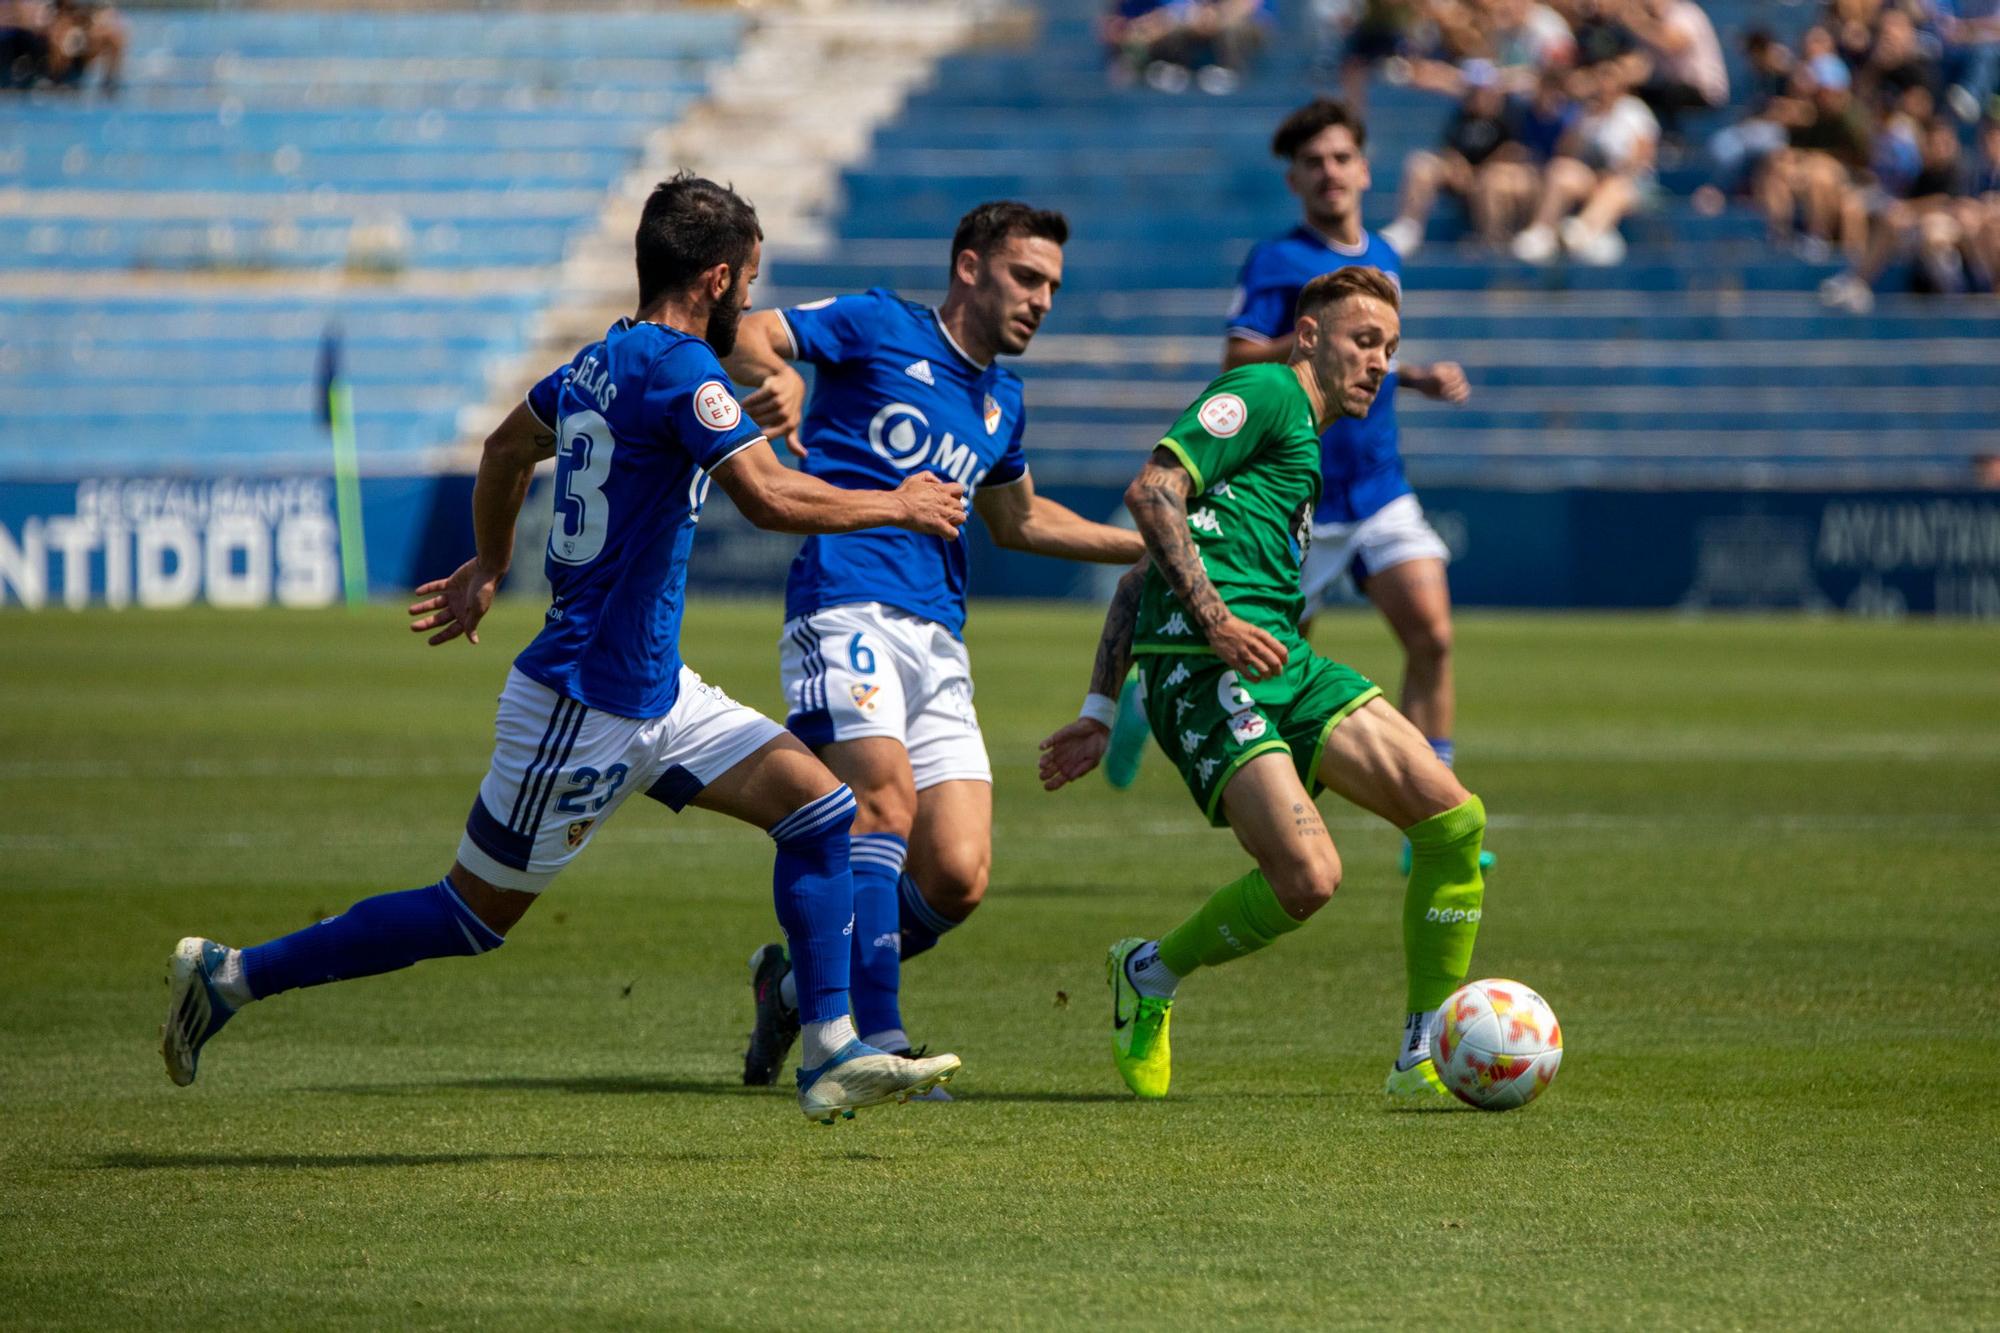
{"x": 920, "y": 371}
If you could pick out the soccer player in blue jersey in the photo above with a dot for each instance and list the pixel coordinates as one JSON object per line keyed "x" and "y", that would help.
{"x": 875, "y": 671}
{"x": 600, "y": 706}
{"x": 1368, "y": 527}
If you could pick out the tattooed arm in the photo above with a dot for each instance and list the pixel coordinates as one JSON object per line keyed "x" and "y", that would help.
{"x": 1158, "y": 499}
{"x": 1076, "y": 749}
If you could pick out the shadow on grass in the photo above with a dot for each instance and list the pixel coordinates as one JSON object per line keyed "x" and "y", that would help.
{"x": 206, "y": 1161}
{"x": 620, "y": 1085}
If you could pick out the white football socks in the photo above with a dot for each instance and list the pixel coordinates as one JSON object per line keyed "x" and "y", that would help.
{"x": 823, "y": 1041}
{"x": 788, "y": 992}
{"x": 1148, "y": 975}
{"x": 1416, "y": 1039}
{"x": 892, "y": 1040}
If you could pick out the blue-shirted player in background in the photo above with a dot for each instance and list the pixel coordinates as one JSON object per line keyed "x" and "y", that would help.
{"x": 1369, "y": 527}
{"x": 875, "y": 670}
{"x": 600, "y": 706}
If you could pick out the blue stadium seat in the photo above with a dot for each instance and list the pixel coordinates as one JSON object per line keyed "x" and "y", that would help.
{"x": 163, "y": 293}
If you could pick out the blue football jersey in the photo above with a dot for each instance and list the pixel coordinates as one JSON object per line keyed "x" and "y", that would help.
{"x": 895, "y": 395}
{"x": 1360, "y": 467}
{"x": 639, "y": 419}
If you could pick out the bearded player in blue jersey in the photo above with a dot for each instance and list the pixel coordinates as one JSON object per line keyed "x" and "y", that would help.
{"x": 875, "y": 669}
{"x": 600, "y": 706}
{"x": 1368, "y": 530}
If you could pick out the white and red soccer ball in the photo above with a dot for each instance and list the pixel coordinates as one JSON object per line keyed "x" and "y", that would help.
{"x": 1496, "y": 1044}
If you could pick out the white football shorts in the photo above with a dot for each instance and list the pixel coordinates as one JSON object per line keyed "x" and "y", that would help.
{"x": 1343, "y": 555}
{"x": 561, "y": 769}
{"x": 871, "y": 670}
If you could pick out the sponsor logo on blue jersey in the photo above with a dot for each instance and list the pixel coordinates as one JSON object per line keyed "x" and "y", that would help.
{"x": 894, "y": 395}
{"x": 1360, "y": 464}
{"x": 639, "y": 417}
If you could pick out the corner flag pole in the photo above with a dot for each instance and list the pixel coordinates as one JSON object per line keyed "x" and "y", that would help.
{"x": 339, "y": 406}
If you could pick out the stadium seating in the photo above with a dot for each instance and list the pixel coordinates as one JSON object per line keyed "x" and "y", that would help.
{"x": 1703, "y": 359}
{"x": 170, "y": 261}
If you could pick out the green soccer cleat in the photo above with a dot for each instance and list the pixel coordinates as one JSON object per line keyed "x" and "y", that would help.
{"x": 1419, "y": 1088}
{"x": 1138, "y": 1028}
{"x": 1129, "y": 734}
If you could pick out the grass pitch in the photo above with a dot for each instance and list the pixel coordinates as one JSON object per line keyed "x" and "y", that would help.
{"x": 1751, "y": 863}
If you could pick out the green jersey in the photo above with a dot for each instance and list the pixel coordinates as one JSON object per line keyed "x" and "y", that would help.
{"x": 1251, "y": 444}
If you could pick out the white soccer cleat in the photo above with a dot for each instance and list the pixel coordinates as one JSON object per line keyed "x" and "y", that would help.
{"x": 195, "y": 1012}
{"x": 862, "y": 1076}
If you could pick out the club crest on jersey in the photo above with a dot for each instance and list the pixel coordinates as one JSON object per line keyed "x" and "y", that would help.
{"x": 1223, "y": 415}
{"x": 576, "y": 832}
{"x": 992, "y": 414}
{"x": 865, "y": 696}
{"x": 1246, "y": 726}
{"x": 716, "y": 406}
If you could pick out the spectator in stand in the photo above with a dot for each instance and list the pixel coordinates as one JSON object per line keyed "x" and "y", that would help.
{"x": 1356, "y": 36}
{"x": 1971, "y": 32}
{"x": 84, "y": 35}
{"x": 1937, "y": 217}
{"x": 1172, "y": 43}
{"x": 1604, "y": 39}
{"x": 24, "y": 43}
{"x": 1602, "y": 171}
{"x": 1527, "y": 40}
{"x": 1896, "y": 63}
{"x": 1814, "y": 177}
{"x": 1687, "y": 71}
{"x": 1741, "y": 150}
{"x": 1482, "y": 161}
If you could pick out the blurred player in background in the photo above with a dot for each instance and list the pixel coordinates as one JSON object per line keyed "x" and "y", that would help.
{"x": 874, "y": 665}
{"x": 600, "y": 705}
{"x": 1368, "y": 527}
{"x": 1256, "y": 721}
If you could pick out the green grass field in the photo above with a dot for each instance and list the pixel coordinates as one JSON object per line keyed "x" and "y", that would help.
{"x": 1752, "y": 864}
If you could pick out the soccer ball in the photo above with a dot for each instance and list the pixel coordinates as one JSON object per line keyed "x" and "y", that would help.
{"x": 1497, "y": 1044}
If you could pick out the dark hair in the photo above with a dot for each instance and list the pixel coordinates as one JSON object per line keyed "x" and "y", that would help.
{"x": 987, "y": 226}
{"x": 690, "y": 225}
{"x": 1354, "y": 280}
{"x": 1322, "y": 113}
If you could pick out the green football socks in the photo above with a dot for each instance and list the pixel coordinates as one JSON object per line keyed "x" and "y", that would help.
{"x": 1441, "y": 906}
{"x": 1240, "y": 918}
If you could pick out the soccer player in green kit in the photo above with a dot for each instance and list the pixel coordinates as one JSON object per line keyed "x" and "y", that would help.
{"x": 1255, "y": 720}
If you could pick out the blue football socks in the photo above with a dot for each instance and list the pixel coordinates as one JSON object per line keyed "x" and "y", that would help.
{"x": 379, "y": 934}
{"x": 877, "y": 976}
{"x": 1443, "y": 749}
{"x": 814, "y": 889}
{"x": 922, "y": 923}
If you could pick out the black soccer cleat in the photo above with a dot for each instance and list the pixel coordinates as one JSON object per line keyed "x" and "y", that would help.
{"x": 777, "y": 1026}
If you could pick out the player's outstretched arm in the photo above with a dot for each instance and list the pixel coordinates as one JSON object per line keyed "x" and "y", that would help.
{"x": 1077, "y": 748}
{"x": 762, "y": 356}
{"x": 1021, "y": 520}
{"x": 1158, "y": 499}
{"x": 454, "y": 606}
{"x": 779, "y": 499}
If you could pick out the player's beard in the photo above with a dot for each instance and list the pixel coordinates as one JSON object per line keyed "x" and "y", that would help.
{"x": 723, "y": 319}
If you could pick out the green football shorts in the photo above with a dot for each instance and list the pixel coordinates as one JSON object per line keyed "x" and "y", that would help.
{"x": 1211, "y": 722}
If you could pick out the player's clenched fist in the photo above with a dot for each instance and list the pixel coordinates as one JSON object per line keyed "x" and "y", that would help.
{"x": 932, "y": 505}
